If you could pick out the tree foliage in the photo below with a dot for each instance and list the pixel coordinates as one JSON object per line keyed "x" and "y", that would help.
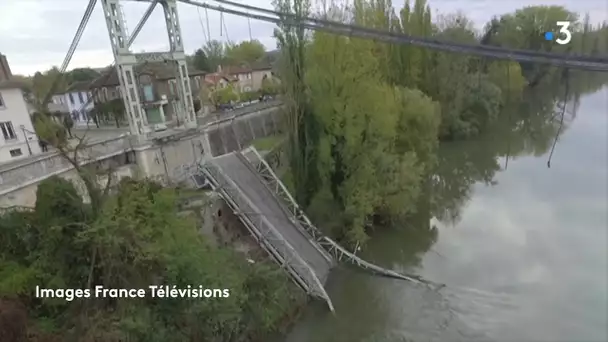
{"x": 59, "y": 245}
{"x": 245, "y": 52}
{"x": 200, "y": 61}
{"x": 224, "y": 95}
{"x": 364, "y": 117}
{"x": 215, "y": 51}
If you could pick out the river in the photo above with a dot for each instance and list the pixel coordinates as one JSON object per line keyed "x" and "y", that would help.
{"x": 520, "y": 247}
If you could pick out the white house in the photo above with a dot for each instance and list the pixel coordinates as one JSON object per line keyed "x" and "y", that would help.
{"x": 76, "y": 99}
{"x": 17, "y": 139}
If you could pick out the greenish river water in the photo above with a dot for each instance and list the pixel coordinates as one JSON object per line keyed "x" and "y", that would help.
{"x": 521, "y": 248}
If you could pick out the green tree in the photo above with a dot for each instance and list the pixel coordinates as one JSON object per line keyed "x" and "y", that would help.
{"x": 367, "y": 169}
{"x": 302, "y": 127}
{"x": 508, "y": 77}
{"x": 224, "y": 95}
{"x": 246, "y": 52}
{"x": 269, "y": 86}
{"x": 200, "y": 61}
{"x": 81, "y": 75}
{"x": 216, "y": 54}
{"x": 51, "y": 81}
{"x": 116, "y": 110}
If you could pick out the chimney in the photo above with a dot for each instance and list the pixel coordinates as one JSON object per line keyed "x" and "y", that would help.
{"x": 5, "y": 69}
{"x": 219, "y": 68}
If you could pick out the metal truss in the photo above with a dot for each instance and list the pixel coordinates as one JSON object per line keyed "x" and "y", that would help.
{"x": 278, "y": 188}
{"x": 126, "y": 60}
{"x": 336, "y": 251}
{"x": 264, "y": 233}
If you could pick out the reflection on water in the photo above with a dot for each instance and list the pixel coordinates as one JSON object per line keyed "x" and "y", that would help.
{"x": 522, "y": 251}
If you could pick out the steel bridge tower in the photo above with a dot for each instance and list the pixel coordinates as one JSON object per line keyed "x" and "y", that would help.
{"x": 126, "y": 61}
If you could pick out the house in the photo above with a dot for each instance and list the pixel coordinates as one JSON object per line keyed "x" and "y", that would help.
{"x": 18, "y": 139}
{"x": 77, "y": 101}
{"x": 218, "y": 80}
{"x": 249, "y": 78}
{"x": 157, "y": 89}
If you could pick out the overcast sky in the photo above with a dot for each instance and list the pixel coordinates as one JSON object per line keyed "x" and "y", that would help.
{"x": 35, "y": 34}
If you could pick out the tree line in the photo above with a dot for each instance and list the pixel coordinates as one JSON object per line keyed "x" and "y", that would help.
{"x": 365, "y": 117}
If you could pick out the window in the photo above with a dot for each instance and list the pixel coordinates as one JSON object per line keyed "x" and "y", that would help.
{"x": 80, "y": 97}
{"x": 71, "y": 98}
{"x": 8, "y": 131}
{"x": 16, "y": 152}
{"x": 1, "y": 102}
{"x": 148, "y": 93}
{"x": 172, "y": 87}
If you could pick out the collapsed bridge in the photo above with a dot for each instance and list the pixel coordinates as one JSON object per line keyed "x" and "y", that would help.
{"x": 262, "y": 203}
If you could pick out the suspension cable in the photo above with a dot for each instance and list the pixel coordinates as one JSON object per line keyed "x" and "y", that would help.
{"x": 200, "y": 19}
{"x": 284, "y": 15}
{"x": 66, "y": 61}
{"x": 579, "y": 61}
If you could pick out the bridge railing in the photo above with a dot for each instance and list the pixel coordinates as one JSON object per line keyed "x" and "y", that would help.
{"x": 264, "y": 232}
{"x": 278, "y": 188}
{"x": 32, "y": 170}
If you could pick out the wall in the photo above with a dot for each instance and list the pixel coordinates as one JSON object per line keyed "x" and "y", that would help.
{"x": 258, "y": 76}
{"x": 166, "y": 161}
{"x": 15, "y": 111}
{"x": 26, "y": 196}
{"x": 18, "y": 182}
{"x": 237, "y": 133}
{"x": 170, "y": 161}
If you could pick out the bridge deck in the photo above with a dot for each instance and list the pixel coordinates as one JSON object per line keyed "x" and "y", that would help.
{"x": 235, "y": 178}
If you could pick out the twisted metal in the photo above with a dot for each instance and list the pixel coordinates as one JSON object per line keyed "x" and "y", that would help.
{"x": 264, "y": 232}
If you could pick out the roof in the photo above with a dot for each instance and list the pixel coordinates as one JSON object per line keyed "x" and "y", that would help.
{"x": 233, "y": 70}
{"x": 215, "y": 77}
{"x": 12, "y": 84}
{"x": 243, "y": 69}
{"x": 261, "y": 66}
{"x": 161, "y": 70}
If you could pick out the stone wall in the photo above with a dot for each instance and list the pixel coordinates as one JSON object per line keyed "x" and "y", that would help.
{"x": 238, "y": 132}
{"x": 170, "y": 160}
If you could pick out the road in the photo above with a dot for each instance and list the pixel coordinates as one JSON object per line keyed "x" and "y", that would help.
{"x": 250, "y": 184}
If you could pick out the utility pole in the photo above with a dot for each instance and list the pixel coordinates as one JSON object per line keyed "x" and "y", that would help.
{"x": 27, "y": 142}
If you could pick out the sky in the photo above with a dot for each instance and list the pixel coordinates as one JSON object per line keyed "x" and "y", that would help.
{"x": 35, "y": 34}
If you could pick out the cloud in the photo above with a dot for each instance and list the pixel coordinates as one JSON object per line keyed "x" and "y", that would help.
{"x": 35, "y": 34}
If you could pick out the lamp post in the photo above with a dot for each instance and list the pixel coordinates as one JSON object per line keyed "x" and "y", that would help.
{"x": 29, "y": 148}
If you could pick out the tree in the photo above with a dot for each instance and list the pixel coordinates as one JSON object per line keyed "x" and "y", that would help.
{"x": 116, "y": 108}
{"x": 508, "y": 77}
{"x": 44, "y": 83}
{"x": 200, "y": 61}
{"x": 246, "y": 52}
{"x": 224, "y": 95}
{"x": 269, "y": 86}
{"x": 302, "y": 128}
{"x": 215, "y": 52}
{"x": 368, "y": 169}
{"x": 81, "y": 75}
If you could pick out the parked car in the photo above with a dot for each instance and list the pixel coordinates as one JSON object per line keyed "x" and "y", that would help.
{"x": 226, "y": 107}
